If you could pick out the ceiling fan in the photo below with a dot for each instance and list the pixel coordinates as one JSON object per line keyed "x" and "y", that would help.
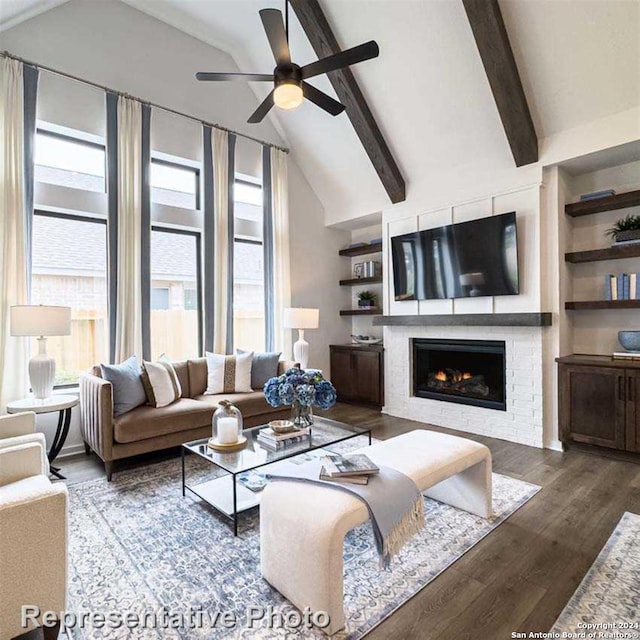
{"x": 289, "y": 79}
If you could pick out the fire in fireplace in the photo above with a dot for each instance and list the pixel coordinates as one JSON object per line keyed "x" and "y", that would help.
{"x": 463, "y": 371}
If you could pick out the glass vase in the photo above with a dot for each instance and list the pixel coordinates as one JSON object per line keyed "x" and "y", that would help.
{"x": 226, "y": 424}
{"x": 301, "y": 415}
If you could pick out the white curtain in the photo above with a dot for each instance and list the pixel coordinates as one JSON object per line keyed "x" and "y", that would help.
{"x": 14, "y": 352}
{"x": 221, "y": 293}
{"x": 282, "y": 282}
{"x": 129, "y": 294}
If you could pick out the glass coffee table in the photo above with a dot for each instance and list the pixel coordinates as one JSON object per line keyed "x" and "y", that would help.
{"x": 229, "y": 496}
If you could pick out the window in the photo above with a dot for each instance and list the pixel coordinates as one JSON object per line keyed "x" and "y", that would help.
{"x": 159, "y": 298}
{"x": 191, "y": 299}
{"x": 247, "y": 193}
{"x": 248, "y": 268}
{"x": 175, "y": 283}
{"x": 68, "y": 161}
{"x": 69, "y": 261}
{"x": 174, "y": 184}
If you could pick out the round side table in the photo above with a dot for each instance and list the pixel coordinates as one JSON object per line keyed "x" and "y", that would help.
{"x": 61, "y": 404}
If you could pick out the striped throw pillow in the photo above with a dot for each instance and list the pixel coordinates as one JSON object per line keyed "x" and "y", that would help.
{"x": 161, "y": 383}
{"x": 228, "y": 374}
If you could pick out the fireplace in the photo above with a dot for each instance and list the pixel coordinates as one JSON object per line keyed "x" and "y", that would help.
{"x": 463, "y": 371}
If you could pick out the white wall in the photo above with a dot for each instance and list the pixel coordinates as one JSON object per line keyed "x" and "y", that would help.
{"x": 316, "y": 270}
{"x": 112, "y": 44}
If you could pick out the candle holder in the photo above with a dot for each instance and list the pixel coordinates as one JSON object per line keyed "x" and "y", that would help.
{"x": 226, "y": 427}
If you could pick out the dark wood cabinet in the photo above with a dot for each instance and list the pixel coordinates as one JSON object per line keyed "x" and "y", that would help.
{"x": 357, "y": 373}
{"x": 599, "y": 401}
{"x": 632, "y": 440}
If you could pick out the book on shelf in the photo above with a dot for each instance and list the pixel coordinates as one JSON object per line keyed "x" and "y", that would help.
{"x": 594, "y": 195}
{"x": 338, "y": 466}
{"x": 620, "y": 286}
{"x": 362, "y": 479}
{"x": 623, "y": 286}
{"x": 269, "y": 434}
{"x": 281, "y": 444}
{"x": 608, "y": 293}
{"x": 626, "y": 355}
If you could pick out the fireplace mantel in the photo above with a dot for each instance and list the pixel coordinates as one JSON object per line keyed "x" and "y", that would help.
{"x": 468, "y": 320}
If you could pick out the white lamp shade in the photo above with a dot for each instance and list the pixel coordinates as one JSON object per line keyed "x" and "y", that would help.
{"x": 470, "y": 279}
{"x": 298, "y": 318}
{"x": 40, "y": 320}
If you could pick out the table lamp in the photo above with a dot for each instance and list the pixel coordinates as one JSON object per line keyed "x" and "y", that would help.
{"x": 41, "y": 321}
{"x": 301, "y": 319}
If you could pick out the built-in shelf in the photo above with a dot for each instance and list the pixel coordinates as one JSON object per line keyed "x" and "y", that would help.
{"x": 611, "y": 253}
{"x": 602, "y": 304}
{"x": 352, "y": 252}
{"x": 360, "y": 312}
{"x": 468, "y": 320}
{"x": 608, "y": 203}
{"x": 354, "y": 282}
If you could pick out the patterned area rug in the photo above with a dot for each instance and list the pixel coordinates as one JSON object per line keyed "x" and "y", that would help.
{"x": 610, "y": 592}
{"x": 138, "y": 546}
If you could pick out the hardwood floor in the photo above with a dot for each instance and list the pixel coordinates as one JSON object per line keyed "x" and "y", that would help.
{"x": 519, "y": 577}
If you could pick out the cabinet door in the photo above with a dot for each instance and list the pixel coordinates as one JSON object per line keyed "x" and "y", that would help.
{"x": 632, "y": 431}
{"x": 342, "y": 373}
{"x": 593, "y": 405}
{"x": 367, "y": 377}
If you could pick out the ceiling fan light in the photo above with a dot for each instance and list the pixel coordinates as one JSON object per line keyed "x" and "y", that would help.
{"x": 288, "y": 95}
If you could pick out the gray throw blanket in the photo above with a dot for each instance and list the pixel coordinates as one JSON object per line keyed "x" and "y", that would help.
{"x": 394, "y": 502}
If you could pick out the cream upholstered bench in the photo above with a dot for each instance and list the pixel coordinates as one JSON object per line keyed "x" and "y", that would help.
{"x": 302, "y": 525}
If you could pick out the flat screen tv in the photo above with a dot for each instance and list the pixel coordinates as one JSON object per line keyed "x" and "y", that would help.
{"x": 468, "y": 259}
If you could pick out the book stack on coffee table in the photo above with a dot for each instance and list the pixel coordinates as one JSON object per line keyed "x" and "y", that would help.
{"x": 355, "y": 469}
{"x": 268, "y": 438}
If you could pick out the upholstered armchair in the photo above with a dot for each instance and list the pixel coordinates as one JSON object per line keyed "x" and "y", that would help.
{"x": 33, "y": 527}
{"x": 20, "y": 428}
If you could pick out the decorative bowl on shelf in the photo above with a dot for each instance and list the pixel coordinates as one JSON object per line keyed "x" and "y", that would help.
{"x": 366, "y": 340}
{"x": 282, "y": 426}
{"x": 630, "y": 340}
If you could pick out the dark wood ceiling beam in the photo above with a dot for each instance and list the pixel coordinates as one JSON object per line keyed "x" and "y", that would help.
{"x": 324, "y": 43}
{"x": 493, "y": 44}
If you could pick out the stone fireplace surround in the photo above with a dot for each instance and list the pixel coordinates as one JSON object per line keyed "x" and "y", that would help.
{"x": 522, "y": 421}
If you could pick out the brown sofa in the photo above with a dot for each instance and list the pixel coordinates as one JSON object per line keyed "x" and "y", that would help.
{"x": 147, "y": 429}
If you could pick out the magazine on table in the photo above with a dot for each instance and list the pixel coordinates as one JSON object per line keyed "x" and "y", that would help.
{"x": 343, "y": 466}
{"x": 362, "y": 479}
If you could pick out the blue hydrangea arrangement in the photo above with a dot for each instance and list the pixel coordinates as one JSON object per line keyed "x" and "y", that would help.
{"x": 298, "y": 387}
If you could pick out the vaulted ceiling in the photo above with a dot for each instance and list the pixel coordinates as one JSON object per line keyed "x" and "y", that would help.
{"x": 579, "y": 61}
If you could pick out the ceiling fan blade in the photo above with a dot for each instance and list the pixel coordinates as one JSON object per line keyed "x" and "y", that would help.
{"x": 262, "y": 110}
{"x": 274, "y": 26}
{"x": 342, "y": 59}
{"x": 215, "y": 77}
{"x": 322, "y": 99}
